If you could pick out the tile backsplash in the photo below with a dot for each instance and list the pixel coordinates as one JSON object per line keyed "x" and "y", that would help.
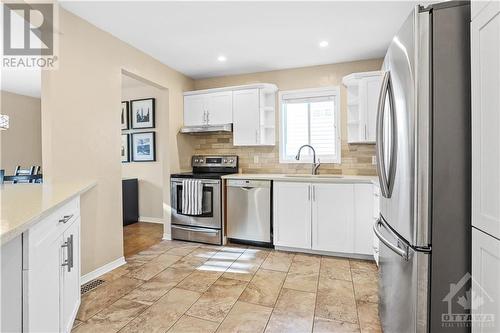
{"x": 356, "y": 159}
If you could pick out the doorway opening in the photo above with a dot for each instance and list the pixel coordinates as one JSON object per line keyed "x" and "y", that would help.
{"x": 144, "y": 137}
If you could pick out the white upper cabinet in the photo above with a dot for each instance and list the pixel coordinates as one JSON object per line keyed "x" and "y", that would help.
{"x": 208, "y": 109}
{"x": 332, "y": 217}
{"x": 245, "y": 117}
{"x": 363, "y": 91}
{"x": 195, "y": 110}
{"x": 250, "y": 108}
{"x": 292, "y": 214}
{"x": 220, "y": 108}
{"x": 485, "y": 37}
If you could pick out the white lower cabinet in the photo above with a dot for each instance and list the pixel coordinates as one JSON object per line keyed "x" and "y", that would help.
{"x": 324, "y": 217}
{"x": 332, "y": 217}
{"x": 363, "y": 217}
{"x": 51, "y": 272}
{"x": 292, "y": 215}
{"x": 486, "y": 282}
{"x": 71, "y": 276}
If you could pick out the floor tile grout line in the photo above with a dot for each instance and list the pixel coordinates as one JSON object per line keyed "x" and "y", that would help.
{"x": 153, "y": 303}
{"x": 201, "y": 294}
{"x": 317, "y": 290}
{"x": 355, "y": 301}
{"x": 169, "y": 291}
{"x": 279, "y": 294}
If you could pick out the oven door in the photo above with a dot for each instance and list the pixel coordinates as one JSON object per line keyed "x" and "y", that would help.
{"x": 211, "y": 205}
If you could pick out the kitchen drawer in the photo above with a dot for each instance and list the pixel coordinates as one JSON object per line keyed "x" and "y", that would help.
{"x": 202, "y": 235}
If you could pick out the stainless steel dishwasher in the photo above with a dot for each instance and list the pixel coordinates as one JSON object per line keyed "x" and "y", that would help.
{"x": 249, "y": 212}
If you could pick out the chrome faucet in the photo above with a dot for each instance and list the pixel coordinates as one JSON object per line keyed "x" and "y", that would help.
{"x": 315, "y": 166}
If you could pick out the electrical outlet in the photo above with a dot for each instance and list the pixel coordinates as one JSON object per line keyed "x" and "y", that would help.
{"x": 374, "y": 160}
{"x": 256, "y": 159}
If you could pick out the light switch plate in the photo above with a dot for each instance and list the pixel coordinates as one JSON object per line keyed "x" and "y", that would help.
{"x": 374, "y": 160}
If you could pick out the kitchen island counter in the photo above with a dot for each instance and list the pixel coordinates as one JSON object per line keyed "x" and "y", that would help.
{"x": 23, "y": 205}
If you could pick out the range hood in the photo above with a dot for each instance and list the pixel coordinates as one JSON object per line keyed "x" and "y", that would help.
{"x": 224, "y": 128}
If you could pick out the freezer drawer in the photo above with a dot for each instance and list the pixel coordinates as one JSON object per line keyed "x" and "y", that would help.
{"x": 196, "y": 234}
{"x": 403, "y": 283}
{"x": 249, "y": 211}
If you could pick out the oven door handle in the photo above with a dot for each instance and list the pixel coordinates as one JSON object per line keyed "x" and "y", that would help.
{"x": 196, "y": 230}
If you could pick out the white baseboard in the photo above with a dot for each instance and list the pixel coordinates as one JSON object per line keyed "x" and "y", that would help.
{"x": 167, "y": 236}
{"x": 102, "y": 270}
{"x": 151, "y": 219}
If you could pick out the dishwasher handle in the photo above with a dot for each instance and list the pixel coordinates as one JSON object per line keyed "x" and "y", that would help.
{"x": 248, "y": 185}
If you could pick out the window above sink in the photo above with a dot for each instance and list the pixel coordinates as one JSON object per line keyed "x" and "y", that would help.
{"x": 310, "y": 116}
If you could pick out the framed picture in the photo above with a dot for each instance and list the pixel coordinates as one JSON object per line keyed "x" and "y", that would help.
{"x": 125, "y": 115}
{"x": 143, "y": 113}
{"x": 125, "y": 148}
{"x": 143, "y": 147}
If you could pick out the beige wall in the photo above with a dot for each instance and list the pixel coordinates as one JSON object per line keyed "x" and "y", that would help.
{"x": 149, "y": 174}
{"x": 356, "y": 159}
{"x": 81, "y": 127}
{"x": 21, "y": 143}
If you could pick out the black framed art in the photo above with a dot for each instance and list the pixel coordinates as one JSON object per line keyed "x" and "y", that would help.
{"x": 124, "y": 116}
{"x": 125, "y": 150}
{"x": 143, "y": 147}
{"x": 143, "y": 113}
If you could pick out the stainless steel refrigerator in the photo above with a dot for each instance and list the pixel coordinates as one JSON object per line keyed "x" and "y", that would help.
{"x": 423, "y": 162}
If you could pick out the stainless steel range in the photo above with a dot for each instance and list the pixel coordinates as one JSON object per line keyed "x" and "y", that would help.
{"x": 206, "y": 227}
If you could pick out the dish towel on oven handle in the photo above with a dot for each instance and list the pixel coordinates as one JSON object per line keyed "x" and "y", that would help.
{"x": 192, "y": 196}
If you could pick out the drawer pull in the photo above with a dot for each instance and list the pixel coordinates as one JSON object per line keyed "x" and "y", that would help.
{"x": 69, "y": 262}
{"x": 66, "y": 218}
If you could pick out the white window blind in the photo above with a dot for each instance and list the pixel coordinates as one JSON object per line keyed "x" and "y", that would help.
{"x": 310, "y": 117}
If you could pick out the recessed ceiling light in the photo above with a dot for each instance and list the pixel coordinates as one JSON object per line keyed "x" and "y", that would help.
{"x": 221, "y": 58}
{"x": 323, "y": 43}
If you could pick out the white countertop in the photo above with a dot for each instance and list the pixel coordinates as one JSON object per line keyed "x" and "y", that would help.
{"x": 322, "y": 178}
{"x": 22, "y": 205}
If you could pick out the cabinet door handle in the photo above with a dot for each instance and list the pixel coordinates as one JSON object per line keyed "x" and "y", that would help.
{"x": 69, "y": 262}
{"x": 65, "y": 218}
{"x": 66, "y": 261}
{"x": 314, "y": 192}
{"x": 208, "y": 117}
{"x": 309, "y": 192}
{"x": 256, "y": 136}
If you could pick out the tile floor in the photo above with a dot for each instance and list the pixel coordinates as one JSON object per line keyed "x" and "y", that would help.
{"x": 185, "y": 287}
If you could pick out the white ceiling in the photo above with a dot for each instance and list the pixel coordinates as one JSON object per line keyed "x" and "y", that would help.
{"x": 254, "y": 36}
{"x": 23, "y": 82}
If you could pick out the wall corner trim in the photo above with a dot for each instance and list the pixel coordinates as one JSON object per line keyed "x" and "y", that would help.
{"x": 102, "y": 270}
{"x": 167, "y": 236}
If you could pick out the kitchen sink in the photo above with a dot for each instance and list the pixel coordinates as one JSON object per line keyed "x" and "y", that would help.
{"x": 314, "y": 176}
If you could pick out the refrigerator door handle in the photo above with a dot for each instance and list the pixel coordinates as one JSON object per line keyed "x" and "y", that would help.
{"x": 385, "y": 180}
{"x": 403, "y": 252}
{"x": 382, "y": 176}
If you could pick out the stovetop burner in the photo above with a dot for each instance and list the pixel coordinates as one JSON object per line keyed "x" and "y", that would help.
{"x": 210, "y": 167}
{"x": 200, "y": 175}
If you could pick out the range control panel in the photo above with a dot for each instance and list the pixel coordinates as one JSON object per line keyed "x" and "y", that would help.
{"x": 214, "y": 161}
